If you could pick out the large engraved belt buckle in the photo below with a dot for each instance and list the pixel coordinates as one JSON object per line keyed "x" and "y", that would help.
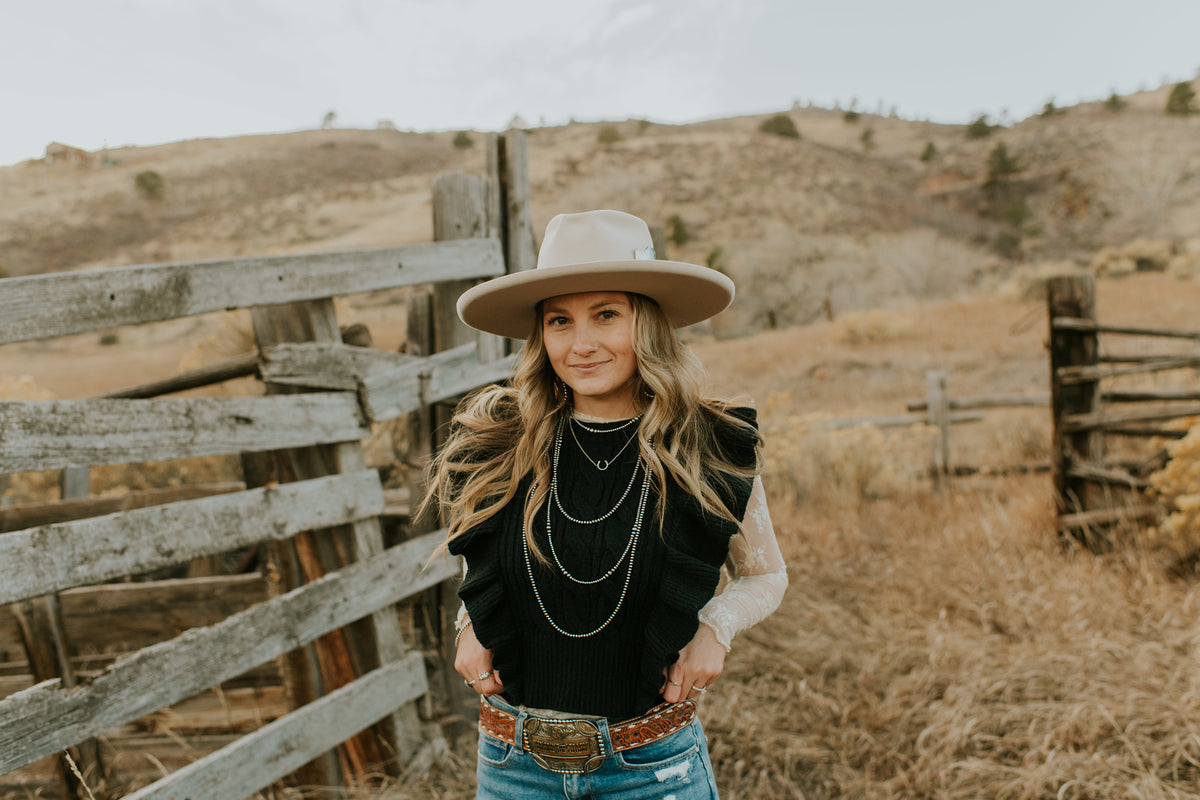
{"x": 563, "y": 745}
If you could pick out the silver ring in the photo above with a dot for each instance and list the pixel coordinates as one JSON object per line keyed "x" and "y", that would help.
{"x": 699, "y": 689}
{"x": 483, "y": 676}
{"x": 674, "y": 683}
{"x": 468, "y": 683}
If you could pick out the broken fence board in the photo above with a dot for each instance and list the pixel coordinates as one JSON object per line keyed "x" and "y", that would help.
{"x": 30, "y": 515}
{"x": 433, "y": 379}
{"x": 1087, "y": 325}
{"x": 1106, "y": 418}
{"x": 31, "y": 307}
{"x": 1087, "y": 373}
{"x": 322, "y": 365}
{"x": 67, "y": 554}
{"x": 279, "y": 748}
{"x": 46, "y": 718}
{"x": 53, "y": 435}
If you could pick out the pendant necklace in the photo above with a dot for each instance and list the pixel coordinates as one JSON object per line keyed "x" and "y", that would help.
{"x": 604, "y": 463}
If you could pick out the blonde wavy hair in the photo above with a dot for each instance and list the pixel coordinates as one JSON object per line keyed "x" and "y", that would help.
{"x": 501, "y": 434}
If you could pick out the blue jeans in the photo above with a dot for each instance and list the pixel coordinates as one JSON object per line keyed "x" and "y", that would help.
{"x": 675, "y": 766}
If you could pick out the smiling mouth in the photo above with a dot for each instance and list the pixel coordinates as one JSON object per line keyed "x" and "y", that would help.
{"x": 592, "y": 365}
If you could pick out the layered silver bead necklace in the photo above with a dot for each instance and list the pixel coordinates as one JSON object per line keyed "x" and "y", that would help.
{"x": 627, "y": 556}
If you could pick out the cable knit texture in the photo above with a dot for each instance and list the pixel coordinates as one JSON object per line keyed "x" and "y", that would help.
{"x": 618, "y": 672}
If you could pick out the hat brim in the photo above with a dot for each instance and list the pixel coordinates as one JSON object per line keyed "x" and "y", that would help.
{"x": 507, "y": 305}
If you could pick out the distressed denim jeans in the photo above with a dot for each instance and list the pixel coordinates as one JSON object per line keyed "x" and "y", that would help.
{"x": 675, "y": 767}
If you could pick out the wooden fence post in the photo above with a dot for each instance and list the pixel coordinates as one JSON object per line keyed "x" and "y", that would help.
{"x": 44, "y": 636}
{"x": 937, "y": 411}
{"x": 1075, "y": 297}
{"x": 342, "y": 654}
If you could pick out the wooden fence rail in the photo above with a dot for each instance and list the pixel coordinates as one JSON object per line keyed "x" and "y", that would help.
{"x": 324, "y": 617}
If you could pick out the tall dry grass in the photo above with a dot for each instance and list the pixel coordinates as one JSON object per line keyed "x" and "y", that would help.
{"x": 943, "y": 645}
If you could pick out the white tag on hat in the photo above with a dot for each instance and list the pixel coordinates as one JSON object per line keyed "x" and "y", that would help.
{"x": 644, "y": 254}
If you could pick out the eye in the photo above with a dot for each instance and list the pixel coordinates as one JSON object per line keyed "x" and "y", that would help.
{"x": 609, "y": 313}
{"x": 556, "y": 321}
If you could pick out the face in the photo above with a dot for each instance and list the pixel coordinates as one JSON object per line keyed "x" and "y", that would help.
{"x": 589, "y": 342}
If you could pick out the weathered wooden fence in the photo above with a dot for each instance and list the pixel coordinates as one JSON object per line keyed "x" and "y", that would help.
{"x": 323, "y": 611}
{"x": 1096, "y": 490}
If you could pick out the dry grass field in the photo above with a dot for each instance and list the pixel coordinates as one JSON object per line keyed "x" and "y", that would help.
{"x": 932, "y": 644}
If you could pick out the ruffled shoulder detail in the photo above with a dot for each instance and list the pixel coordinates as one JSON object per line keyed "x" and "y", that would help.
{"x": 482, "y": 592}
{"x": 696, "y": 545}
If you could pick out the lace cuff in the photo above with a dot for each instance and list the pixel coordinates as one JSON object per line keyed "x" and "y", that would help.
{"x": 757, "y": 571}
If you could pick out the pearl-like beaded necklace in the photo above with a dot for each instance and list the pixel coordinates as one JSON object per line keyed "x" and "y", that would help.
{"x": 627, "y": 556}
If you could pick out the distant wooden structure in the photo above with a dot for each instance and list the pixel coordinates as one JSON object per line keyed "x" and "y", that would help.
{"x": 59, "y": 153}
{"x": 1095, "y": 491}
{"x": 321, "y": 617}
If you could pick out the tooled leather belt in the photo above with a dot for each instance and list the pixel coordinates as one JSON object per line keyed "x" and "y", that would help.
{"x": 575, "y": 745}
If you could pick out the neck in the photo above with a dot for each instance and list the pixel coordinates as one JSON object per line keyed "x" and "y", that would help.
{"x": 604, "y": 411}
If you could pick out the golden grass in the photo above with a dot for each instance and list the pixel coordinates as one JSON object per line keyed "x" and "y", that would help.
{"x": 946, "y": 645}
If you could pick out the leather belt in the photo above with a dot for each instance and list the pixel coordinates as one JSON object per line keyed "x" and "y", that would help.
{"x": 574, "y": 745}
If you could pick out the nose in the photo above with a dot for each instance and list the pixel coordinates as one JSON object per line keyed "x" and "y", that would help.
{"x": 585, "y": 341}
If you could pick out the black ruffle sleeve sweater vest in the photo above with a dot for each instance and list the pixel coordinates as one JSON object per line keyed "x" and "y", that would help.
{"x": 616, "y": 673}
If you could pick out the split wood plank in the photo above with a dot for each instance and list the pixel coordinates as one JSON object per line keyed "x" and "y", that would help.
{"x": 31, "y": 515}
{"x": 1105, "y": 419}
{"x": 980, "y": 401}
{"x": 322, "y": 365}
{"x": 283, "y": 746}
{"x": 1091, "y": 325}
{"x": 53, "y": 435}
{"x": 46, "y": 718}
{"x": 1150, "y": 395}
{"x": 67, "y": 554}
{"x": 236, "y": 367}
{"x": 417, "y": 384}
{"x": 1107, "y": 516}
{"x": 1104, "y": 474}
{"x": 898, "y": 420}
{"x": 31, "y": 307}
{"x": 1087, "y": 374}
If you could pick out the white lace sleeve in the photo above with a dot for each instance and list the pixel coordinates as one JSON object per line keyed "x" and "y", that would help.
{"x": 758, "y": 576}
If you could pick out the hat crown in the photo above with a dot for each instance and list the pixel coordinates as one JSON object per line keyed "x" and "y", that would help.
{"x": 594, "y": 236}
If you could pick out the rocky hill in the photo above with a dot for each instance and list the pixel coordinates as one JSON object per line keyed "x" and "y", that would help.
{"x": 858, "y": 211}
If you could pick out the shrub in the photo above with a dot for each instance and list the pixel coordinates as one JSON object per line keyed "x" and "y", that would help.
{"x": 677, "y": 230}
{"x": 867, "y": 139}
{"x": 1115, "y": 102}
{"x": 1182, "y": 100}
{"x": 716, "y": 259}
{"x": 463, "y": 140}
{"x": 780, "y": 125}
{"x": 149, "y": 184}
{"x": 929, "y": 153}
{"x": 1007, "y": 244}
{"x": 980, "y": 128}
{"x": 608, "y": 135}
{"x": 1051, "y": 110}
{"x": 109, "y": 338}
{"x": 850, "y": 115}
{"x": 1001, "y": 166}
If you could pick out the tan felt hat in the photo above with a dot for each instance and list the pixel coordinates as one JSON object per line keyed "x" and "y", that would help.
{"x": 596, "y": 251}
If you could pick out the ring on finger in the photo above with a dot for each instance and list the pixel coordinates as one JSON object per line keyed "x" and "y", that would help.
{"x": 469, "y": 683}
{"x": 674, "y": 683}
{"x": 483, "y": 676}
{"x": 700, "y": 689}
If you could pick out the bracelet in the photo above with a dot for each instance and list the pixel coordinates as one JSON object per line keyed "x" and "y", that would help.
{"x": 458, "y": 635}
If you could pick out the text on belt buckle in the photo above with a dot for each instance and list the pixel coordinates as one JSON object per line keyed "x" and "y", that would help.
{"x": 563, "y": 745}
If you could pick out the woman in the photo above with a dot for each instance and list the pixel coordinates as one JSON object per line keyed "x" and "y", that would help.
{"x": 595, "y": 503}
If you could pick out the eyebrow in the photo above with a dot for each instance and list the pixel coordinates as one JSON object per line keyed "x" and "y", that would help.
{"x": 559, "y": 310}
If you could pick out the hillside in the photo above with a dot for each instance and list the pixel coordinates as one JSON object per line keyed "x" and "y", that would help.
{"x": 838, "y": 219}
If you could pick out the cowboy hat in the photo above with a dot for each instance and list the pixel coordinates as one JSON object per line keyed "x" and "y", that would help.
{"x": 596, "y": 251}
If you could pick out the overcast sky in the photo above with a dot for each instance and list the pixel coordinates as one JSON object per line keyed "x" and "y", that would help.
{"x": 91, "y": 72}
